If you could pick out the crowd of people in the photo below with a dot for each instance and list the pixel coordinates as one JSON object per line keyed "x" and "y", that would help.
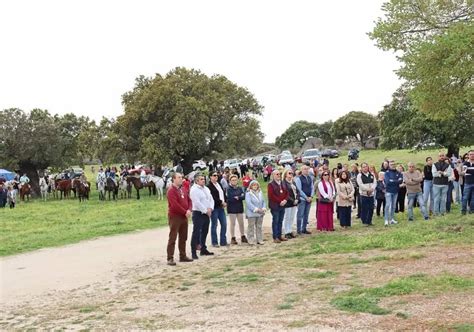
{"x": 291, "y": 191}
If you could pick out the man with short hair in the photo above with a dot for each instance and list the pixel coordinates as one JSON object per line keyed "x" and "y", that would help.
{"x": 367, "y": 184}
{"x": 413, "y": 180}
{"x": 392, "y": 180}
{"x": 203, "y": 204}
{"x": 305, "y": 186}
{"x": 468, "y": 192}
{"x": 179, "y": 210}
{"x": 428, "y": 184}
{"x": 442, "y": 171}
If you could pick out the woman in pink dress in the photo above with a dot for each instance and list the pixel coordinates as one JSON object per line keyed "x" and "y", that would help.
{"x": 324, "y": 213}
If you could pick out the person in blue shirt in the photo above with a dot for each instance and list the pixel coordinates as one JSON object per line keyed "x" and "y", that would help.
{"x": 392, "y": 180}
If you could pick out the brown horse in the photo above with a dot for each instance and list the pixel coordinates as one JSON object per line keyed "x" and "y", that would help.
{"x": 139, "y": 185}
{"x": 81, "y": 189}
{"x": 64, "y": 187}
{"x": 25, "y": 190}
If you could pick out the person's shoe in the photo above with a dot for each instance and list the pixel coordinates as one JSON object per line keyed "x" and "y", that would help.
{"x": 306, "y": 232}
{"x": 293, "y": 235}
{"x": 206, "y": 253}
{"x": 287, "y": 236}
{"x": 185, "y": 259}
{"x": 410, "y": 219}
{"x": 215, "y": 245}
{"x": 385, "y": 223}
{"x": 463, "y": 213}
{"x": 393, "y": 222}
{"x": 260, "y": 243}
{"x": 299, "y": 233}
{"x": 194, "y": 256}
{"x": 276, "y": 241}
{"x": 233, "y": 241}
{"x": 427, "y": 218}
{"x": 283, "y": 239}
{"x": 244, "y": 239}
{"x": 171, "y": 262}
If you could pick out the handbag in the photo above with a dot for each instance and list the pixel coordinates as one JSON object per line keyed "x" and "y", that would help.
{"x": 324, "y": 200}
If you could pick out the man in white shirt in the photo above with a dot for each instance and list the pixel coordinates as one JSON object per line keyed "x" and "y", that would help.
{"x": 203, "y": 204}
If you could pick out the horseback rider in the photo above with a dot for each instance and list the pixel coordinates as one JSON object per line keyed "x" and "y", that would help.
{"x": 112, "y": 173}
{"x": 101, "y": 176}
{"x": 83, "y": 179}
{"x": 24, "y": 180}
{"x": 143, "y": 177}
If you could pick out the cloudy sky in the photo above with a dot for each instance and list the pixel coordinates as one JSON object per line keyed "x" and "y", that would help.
{"x": 307, "y": 60}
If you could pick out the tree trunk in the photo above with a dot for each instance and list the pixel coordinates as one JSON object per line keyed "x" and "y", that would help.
{"x": 32, "y": 172}
{"x": 187, "y": 164}
{"x": 453, "y": 150}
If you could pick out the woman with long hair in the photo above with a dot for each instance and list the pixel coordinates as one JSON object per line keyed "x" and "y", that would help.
{"x": 324, "y": 214}
{"x": 345, "y": 197}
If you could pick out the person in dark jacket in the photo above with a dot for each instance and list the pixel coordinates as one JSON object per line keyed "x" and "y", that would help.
{"x": 235, "y": 208}
{"x": 291, "y": 206}
{"x": 380, "y": 193}
{"x": 402, "y": 192}
{"x": 428, "y": 184}
{"x": 277, "y": 199}
{"x": 392, "y": 180}
{"x": 218, "y": 214}
{"x": 3, "y": 195}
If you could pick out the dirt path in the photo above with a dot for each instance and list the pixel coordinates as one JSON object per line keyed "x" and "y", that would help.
{"x": 78, "y": 265}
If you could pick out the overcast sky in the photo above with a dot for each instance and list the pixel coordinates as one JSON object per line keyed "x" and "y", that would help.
{"x": 308, "y": 60}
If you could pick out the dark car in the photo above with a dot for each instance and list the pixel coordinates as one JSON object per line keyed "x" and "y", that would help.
{"x": 329, "y": 153}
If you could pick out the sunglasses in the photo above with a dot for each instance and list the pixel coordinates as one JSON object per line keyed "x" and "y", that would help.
{"x": 326, "y": 174}
{"x": 214, "y": 175}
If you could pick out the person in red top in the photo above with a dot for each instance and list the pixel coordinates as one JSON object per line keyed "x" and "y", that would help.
{"x": 277, "y": 199}
{"x": 186, "y": 184}
{"x": 179, "y": 210}
{"x": 246, "y": 180}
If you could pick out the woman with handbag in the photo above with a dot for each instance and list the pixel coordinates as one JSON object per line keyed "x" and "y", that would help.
{"x": 345, "y": 197}
{"x": 325, "y": 211}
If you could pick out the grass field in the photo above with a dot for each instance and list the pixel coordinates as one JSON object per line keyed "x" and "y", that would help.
{"x": 40, "y": 224}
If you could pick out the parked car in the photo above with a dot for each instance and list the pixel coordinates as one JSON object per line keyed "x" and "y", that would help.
{"x": 199, "y": 165}
{"x": 311, "y": 154}
{"x": 270, "y": 157}
{"x": 232, "y": 163}
{"x": 330, "y": 153}
{"x": 286, "y": 159}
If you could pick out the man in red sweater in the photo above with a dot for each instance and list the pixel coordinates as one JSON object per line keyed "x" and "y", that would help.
{"x": 179, "y": 210}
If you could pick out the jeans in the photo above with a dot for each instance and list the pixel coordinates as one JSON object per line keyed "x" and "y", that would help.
{"x": 199, "y": 220}
{"x": 411, "y": 200}
{"x": 366, "y": 209}
{"x": 218, "y": 214}
{"x": 457, "y": 192}
{"x": 390, "y": 203}
{"x": 289, "y": 218}
{"x": 440, "y": 194}
{"x": 277, "y": 221}
{"x": 449, "y": 196}
{"x": 468, "y": 195}
{"x": 302, "y": 216}
{"x": 428, "y": 194}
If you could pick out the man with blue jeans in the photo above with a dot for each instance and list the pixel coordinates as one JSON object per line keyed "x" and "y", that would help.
{"x": 277, "y": 198}
{"x": 413, "y": 180}
{"x": 305, "y": 186}
{"x": 468, "y": 193}
{"x": 218, "y": 214}
{"x": 393, "y": 179}
{"x": 428, "y": 184}
{"x": 442, "y": 171}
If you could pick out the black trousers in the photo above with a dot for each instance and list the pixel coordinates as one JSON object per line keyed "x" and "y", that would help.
{"x": 200, "y": 231}
{"x": 380, "y": 204}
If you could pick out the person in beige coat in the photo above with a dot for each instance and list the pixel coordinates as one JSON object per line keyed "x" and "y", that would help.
{"x": 345, "y": 198}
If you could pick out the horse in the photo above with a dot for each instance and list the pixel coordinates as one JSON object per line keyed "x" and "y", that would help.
{"x": 111, "y": 186}
{"x": 64, "y": 187}
{"x": 101, "y": 189}
{"x": 81, "y": 189}
{"x": 43, "y": 188}
{"x": 125, "y": 189}
{"x": 139, "y": 185}
{"x": 159, "y": 184}
{"x": 25, "y": 190}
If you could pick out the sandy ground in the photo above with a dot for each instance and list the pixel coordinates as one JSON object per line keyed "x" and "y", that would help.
{"x": 94, "y": 261}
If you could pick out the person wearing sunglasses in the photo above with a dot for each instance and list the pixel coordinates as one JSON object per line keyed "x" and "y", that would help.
{"x": 277, "y": 199}
{"x": 325, "y": 210}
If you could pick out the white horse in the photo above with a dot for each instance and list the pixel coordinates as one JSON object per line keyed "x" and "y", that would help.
{"x": 43, "y": 188}
{"x": 101, "y": 189}
{"x": 159, "y": 184}
{"x": 125, "y": 188}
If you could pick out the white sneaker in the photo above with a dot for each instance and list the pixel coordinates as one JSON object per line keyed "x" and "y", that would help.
{"x": 386, "y": 223}
{"x": 393, "y": 222}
